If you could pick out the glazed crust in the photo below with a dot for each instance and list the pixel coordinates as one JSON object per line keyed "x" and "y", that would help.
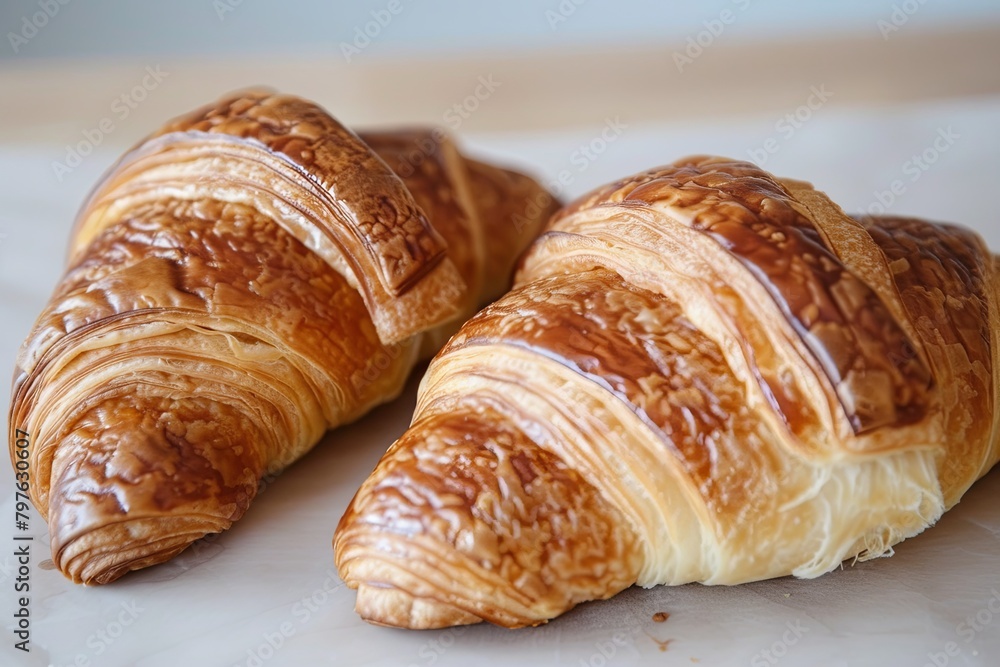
{"x": 288, "y": 159}
{"x": 247, "y": 278}
{"x": 743, "y": 381}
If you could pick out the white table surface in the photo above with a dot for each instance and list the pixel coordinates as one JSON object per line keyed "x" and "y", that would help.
{"x": 218, "y": 603}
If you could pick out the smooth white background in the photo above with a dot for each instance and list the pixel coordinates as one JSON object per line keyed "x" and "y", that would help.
{"x": 131, "y": 27}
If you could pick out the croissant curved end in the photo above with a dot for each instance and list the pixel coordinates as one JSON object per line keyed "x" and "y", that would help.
{"x": 515, "y": 534}
{"x": 142, "y": 477}
{"x": 396, "y": 608}
{"x": 108, "y": 552}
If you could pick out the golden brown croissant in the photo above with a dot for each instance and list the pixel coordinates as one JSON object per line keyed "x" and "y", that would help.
{"x": 702, "y": 374}
{"x": 243, "y": 280}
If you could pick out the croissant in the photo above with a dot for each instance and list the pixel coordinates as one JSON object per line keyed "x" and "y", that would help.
{"x": 246, "y": 278}
{"x": 703, "y": 373}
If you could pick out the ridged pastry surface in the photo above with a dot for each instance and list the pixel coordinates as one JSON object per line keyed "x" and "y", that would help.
{"x": 754, "y": 384}
{"x": 240, "y": 282}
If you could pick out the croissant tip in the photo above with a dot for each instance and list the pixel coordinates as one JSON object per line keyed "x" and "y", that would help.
{"x": 392, "y": 607}
{"x": 106, "y": 554}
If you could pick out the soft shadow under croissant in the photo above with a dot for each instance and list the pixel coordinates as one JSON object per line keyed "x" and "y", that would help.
{"x": 702, "y": 374}
{"x": 243, "y": 280}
